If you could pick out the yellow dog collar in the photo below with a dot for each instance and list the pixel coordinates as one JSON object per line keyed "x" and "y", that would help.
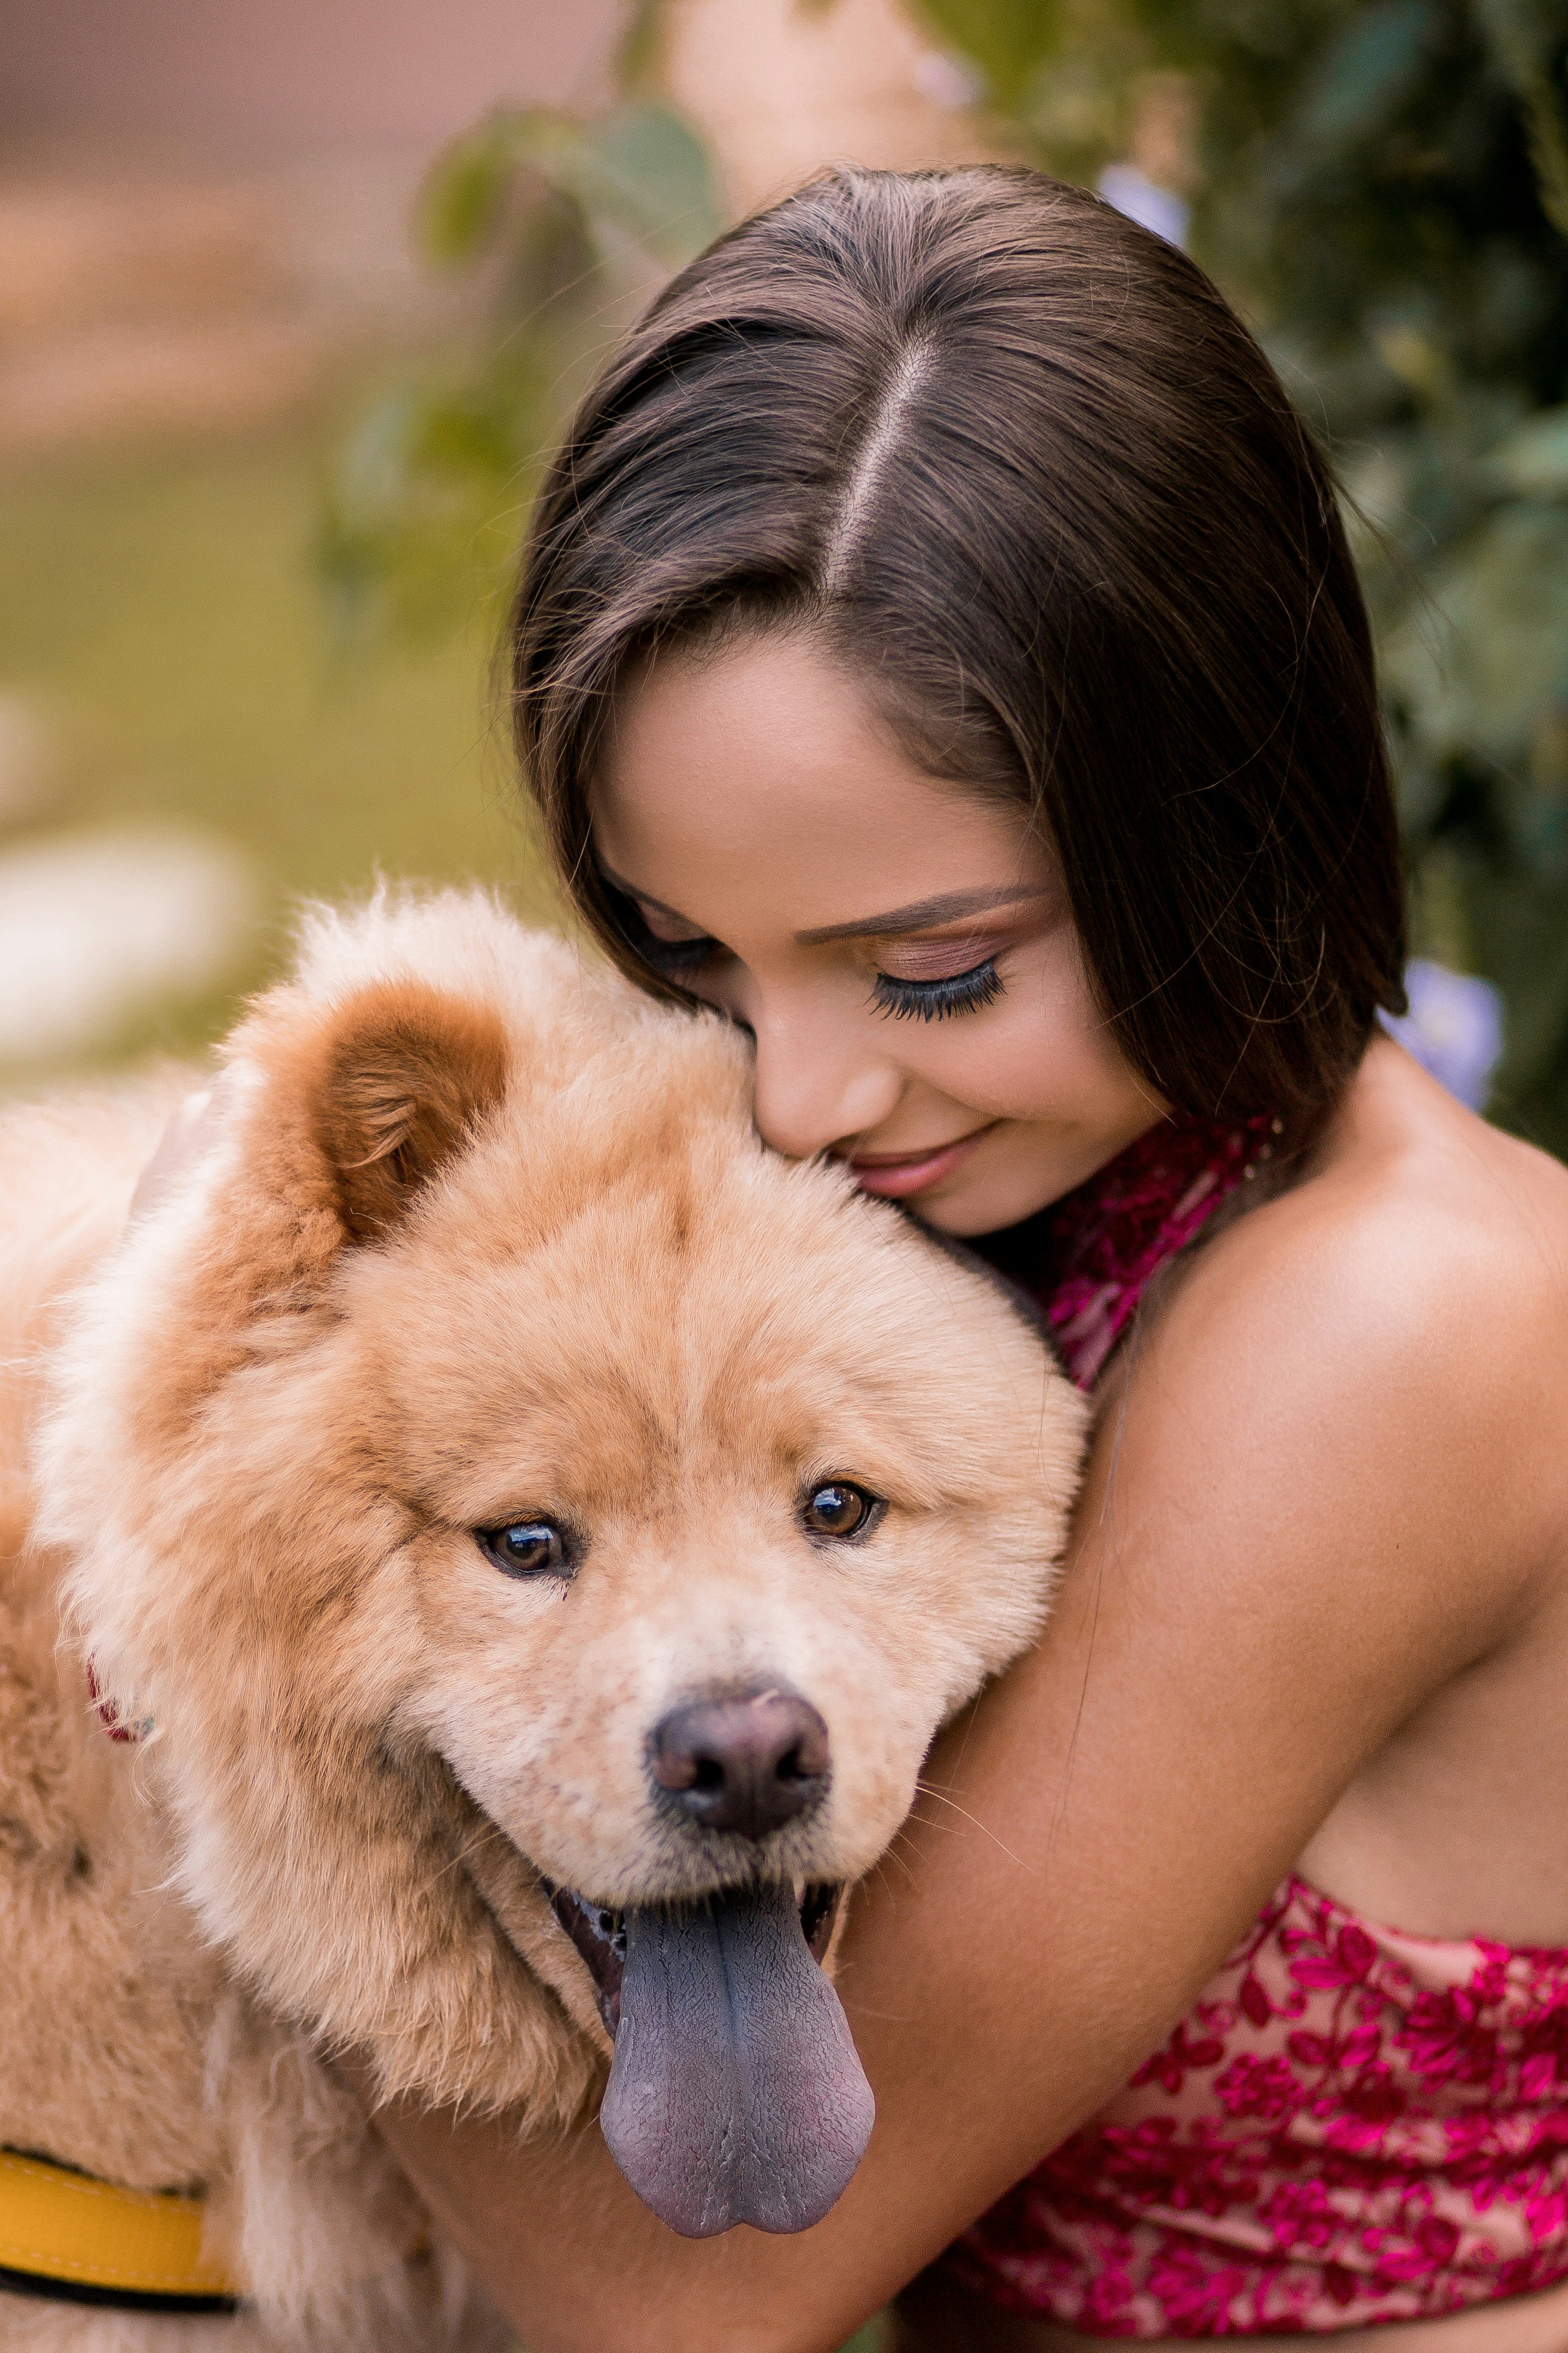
{"x": 66, "y": 2234}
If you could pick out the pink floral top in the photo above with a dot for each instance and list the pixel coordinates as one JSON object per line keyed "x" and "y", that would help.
{"x": 1353, "y": 2126}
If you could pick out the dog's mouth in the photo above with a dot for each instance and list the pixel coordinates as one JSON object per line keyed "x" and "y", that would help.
{"x": 600, "y": 1937}
{"x": 735, "y": 2094}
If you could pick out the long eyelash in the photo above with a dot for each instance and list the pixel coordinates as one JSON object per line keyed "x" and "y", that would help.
{"x": 675, "y": 955}
{"x": 937, "y": 1000}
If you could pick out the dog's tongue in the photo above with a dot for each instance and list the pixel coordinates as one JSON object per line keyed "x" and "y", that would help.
{"x": 736, "y": 2095}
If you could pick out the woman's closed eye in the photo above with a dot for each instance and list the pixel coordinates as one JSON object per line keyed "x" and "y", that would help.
{"x": 937, "y": 1000}
{"x": 659, "y": 939}
{"x": 940, "y": 978}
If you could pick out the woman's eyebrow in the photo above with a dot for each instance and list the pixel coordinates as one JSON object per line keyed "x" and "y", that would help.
{"x": 945, "y": 908}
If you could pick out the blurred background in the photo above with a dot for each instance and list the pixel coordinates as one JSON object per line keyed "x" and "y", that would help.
{"x": 292, "y": 299}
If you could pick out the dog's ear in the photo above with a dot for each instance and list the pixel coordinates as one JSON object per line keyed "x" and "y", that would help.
{"x": 407, "y": 1073}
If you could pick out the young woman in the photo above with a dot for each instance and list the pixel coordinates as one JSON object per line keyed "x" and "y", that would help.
{"x": 939, "y": 650}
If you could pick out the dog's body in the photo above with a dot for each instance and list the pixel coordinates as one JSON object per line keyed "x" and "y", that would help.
{"x": 451, "y": 1438}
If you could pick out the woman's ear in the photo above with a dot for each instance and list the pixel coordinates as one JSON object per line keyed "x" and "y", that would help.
{"x": 405, "y": 1075}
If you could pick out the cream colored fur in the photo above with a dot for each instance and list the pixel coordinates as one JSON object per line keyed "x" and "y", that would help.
{"x": 277, "y": 1407}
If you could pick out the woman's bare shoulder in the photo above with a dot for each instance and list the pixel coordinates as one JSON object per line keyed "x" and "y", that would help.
{"x": 1413, "y": 1224}
{"x": 1406, "y": 1305}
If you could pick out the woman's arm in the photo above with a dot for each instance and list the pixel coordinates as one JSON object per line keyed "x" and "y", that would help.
{"x": 1307, "y": 1509}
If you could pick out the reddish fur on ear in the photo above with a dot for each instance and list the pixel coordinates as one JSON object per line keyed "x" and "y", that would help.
{"x": 405, "y": 1077}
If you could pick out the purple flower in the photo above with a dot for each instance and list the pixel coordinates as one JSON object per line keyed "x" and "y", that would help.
{"x": 1454, "y": 1029}
{"x": 1144, "y": 200}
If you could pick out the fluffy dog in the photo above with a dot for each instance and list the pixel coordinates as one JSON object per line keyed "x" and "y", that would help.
{"x": 531, "y": 1534}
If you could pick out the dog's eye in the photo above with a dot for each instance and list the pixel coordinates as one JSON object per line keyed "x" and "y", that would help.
{"x": 839, "y": 1508}
{"x": 528, "y": 1548}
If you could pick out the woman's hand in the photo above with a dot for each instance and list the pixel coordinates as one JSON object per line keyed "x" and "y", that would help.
{"x": 1305, "y": 1512}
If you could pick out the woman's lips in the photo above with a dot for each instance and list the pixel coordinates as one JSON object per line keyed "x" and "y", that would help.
{"x": 896, "y": 1176}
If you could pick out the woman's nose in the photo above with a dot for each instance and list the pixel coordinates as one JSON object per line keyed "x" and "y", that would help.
{"x": 815, "y": 1087}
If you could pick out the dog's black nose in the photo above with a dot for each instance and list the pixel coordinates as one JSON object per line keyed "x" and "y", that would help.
{"x": 742, "y": 1765}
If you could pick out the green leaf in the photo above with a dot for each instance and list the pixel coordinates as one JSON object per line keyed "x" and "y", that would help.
{"x": 1520, "y": 927}
{"x": 1476, "y": 664}
{"x": 462, "y": 201}
{"x": 641, "y": 52}
{"x": 1008, "y": 40}
{"x": 1534, "y": 458}
{"x": 641, "y": 172}
{"x": 424, "y": 499}
{"x": 648, "y": 166}
{"x": 1524, "y": 36}
{"x": 1365, "y": 74}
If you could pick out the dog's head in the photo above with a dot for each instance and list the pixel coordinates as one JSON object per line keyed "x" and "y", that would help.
{"x": 525, "y": 1505}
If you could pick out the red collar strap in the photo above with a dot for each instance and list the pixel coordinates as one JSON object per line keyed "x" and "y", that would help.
{"x": 119, "y": 1727}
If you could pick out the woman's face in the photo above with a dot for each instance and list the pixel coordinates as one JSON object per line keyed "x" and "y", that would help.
{"x": 900, "y": 948}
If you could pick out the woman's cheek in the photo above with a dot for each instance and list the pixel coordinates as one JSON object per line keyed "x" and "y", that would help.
{"x": 1042, "y": 1051}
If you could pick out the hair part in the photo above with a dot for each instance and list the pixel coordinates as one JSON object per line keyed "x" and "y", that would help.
{"x": 881, "y": 435}
{"x": 1014, "y": 463}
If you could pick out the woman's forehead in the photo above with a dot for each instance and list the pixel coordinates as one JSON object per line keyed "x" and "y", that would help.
{"x": 764, "y": 774}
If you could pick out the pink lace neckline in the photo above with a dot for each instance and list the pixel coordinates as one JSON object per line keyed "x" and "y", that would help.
{"x": 1101, "y": 1245}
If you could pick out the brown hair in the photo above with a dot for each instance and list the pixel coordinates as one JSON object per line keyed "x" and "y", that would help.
{"x": 1015, "y": 462}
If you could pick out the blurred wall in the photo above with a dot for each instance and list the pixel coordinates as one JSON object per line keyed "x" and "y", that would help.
{"x": 204, "y": 204}
{"x": 780, "y": 88}
{"x": 246, "y": 79}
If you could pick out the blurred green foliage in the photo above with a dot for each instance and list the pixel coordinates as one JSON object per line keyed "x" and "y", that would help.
{"x": 565, "y": 225}
{"x": 1383, "y": 187}
{"x": 157, "y": 605}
